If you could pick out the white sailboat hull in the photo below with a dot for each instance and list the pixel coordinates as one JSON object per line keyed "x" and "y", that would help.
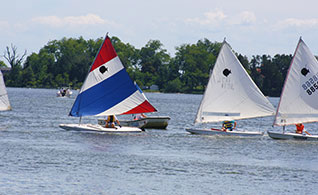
{"x": 293, "y": 136}
{"x": 98, "y": 128}
{"x": 225, "y": 133}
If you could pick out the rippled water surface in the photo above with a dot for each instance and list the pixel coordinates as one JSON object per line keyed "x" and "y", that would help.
{"x": 37, "y": 157}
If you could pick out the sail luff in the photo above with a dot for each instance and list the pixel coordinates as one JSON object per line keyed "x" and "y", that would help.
{"x": 298, "y": 102}
{"x": 79, "y": 101}
{"x": 95, "y": 59}
{"x": 198, "y": 118}
{"x": 280, "y": 98}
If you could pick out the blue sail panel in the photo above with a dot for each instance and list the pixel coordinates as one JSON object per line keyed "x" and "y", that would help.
{"x": 104, "y": 95}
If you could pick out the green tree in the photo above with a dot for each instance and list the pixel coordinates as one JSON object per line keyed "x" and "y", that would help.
{"x": 256, "y": 75}
{"x": 2, "y": 64}
{"x": 28, "y": 78}
{"x": 195, "y": 62}
{"x": 67, "y": 61}
{"x": 71, "y": 56}
{"x": 15, "y": 61}
{"x": 174, "y": 86}
{"x": 269, "y": 73}
{"x": 153, "y": 61}
{"x": 244, "y": 61}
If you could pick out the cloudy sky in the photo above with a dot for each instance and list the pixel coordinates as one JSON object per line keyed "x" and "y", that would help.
{"x": 250, "y": 26}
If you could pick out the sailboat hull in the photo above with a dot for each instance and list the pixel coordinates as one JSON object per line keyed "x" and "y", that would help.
{"x": 225, "y": 133}
{"x": 293, "y": 136}
{"x": 98, "y": 128}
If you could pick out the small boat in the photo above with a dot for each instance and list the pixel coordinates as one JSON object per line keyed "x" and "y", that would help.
{"x": 108, "y": 90}
{"x": 64, "y": 92}
{"x": 299, "y": 98}
{"x": 156, "y": 122}
{"x": 214, "y": 131}
{"x": 230, "y": 95}
{"x": 294, "y": 136}
{"x": 4, "y": 99}
{"x": 149, "y": 122}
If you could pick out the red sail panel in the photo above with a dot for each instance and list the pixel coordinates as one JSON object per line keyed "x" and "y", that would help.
{"x": 142, "y": 108}
{"x": 105, "y": 54}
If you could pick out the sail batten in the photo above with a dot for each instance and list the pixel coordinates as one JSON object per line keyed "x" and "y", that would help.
{"x": 108, "y": 89}
{"x": 298, "y": 101}
{"x": 231, "y": 94}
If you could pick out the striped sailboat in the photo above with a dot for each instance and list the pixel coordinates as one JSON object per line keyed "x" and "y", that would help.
{"x": 108, "y": 90}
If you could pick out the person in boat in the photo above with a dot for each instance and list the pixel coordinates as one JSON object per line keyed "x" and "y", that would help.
{"x": 111, "y": 120}
{"x": 300, "y": 128}
{"x": 228, "y": 125}
{"x": 139, "y": 116}
{"x": 63, "y": 92}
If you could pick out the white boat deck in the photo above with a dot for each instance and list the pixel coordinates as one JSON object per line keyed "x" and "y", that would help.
{"x": 99, "y": 128}
{"x": 225, "y": 133}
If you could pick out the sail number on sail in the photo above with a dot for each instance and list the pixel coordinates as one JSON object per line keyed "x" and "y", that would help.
{"x": 311, "y": 85}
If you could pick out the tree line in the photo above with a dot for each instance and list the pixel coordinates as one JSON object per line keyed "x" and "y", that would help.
{"x": 66, "y": 62}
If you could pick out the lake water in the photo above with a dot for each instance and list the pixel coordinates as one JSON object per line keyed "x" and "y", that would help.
{"x": 37, "y": 157}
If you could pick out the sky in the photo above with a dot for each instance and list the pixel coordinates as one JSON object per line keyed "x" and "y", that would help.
{"x": 251, "y": 27}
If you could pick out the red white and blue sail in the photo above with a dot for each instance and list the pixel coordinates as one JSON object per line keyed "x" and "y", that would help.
{"x": 108, "y": 89}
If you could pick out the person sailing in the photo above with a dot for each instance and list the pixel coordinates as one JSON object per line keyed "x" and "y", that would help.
{"x": 111, "y": 120}
{"x": 63, "y": 92}
{"x": 228, "y": 125}
{"x": 300, "y": 128}
{"x": 139, "y": 116}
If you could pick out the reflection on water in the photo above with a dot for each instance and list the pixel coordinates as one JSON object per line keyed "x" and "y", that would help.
{"x": 37, "y": 157}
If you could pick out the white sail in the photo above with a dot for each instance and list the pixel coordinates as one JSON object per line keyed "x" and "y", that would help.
{"x": 231, "y": 94}
{"x": 4, "y": 100}
{"x": 299, "y": 98}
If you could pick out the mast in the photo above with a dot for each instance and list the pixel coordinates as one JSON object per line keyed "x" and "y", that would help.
{"x": 290, "y": 66}
{"x": 205, "y": 91}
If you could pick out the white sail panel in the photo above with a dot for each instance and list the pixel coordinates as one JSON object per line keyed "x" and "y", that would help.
{"x": 231, "y": 94}
{"x": 299, "y": 98}
{"x": 95, "y": 77}
{"x": 4, "y": 100}
{"x": 136, "y": 98}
